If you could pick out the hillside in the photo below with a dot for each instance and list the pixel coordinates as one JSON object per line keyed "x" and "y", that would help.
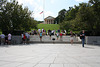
{"x": 48, "y": 26}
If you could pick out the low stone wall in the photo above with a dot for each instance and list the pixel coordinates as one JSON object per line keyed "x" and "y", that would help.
{"x": 47, "y": 38}
{"x": 16, "y": 40}
{"x": 89, "y": 39}
{"x": 93, "y": 40}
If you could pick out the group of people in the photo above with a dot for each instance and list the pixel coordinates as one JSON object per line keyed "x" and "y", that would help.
{"x": 53, "y": 32}
{"x": 5, "y": 39}
{"x": 50, "y": 33}
{"x": 82, "y": 37}
{"x": 25, "y": 38}
{"x": 58, "y": 33}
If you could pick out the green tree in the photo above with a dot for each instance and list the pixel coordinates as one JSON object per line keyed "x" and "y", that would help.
{"x": 96, "y": 9}
{"x": 65, "y": 25}
{"x": 85, "y": 17}
{"x": 61, "y": 16}
{"x": 69, "y": 22}
{"x": 14, "y": 17}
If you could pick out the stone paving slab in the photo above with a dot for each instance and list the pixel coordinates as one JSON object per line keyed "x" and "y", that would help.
{"x": 49, "y": 55}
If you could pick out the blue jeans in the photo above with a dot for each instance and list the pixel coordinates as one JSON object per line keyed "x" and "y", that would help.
{"x": 83, "y": 41}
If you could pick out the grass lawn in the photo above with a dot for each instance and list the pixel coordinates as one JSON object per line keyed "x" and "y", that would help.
{"x": 48, "y": 26}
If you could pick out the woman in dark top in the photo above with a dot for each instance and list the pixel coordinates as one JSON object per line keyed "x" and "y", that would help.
{"x": 83, "y": 38}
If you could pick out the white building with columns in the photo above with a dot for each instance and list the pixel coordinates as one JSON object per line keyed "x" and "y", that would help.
{"x": 49, "y": 20}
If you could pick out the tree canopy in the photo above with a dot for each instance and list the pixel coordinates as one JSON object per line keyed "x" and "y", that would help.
{"x": 14, "y": 17}
{"x": 85, "y": 16}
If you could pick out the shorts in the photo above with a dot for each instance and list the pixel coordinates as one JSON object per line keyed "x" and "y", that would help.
{"x": 28, "y": 39}
{"x": 57, "y": 36}
{"x": 40, "y": 36}
{"x": 60, "y": 36}
{"x": 23, "y": 39}
{"x": 71, "y": 38}
{"x": 9, "y": 39}
{"x": 50, "y": 35}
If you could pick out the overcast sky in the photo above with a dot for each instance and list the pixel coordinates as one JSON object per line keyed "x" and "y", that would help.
{"x": 52, "y": 7}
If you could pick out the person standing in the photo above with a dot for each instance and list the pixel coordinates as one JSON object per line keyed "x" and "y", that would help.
{"x": 39, "y": 30}
{"x": 2, "y": 38}
{"x": 22, "y": 35}
{"x": 71, "y": 37}
{"x": 42, "y": 30}
{"x": 40, "y": 36}
{"x": 61, "y": 36}
{"x": 83, "y": 37}
{"x": 49, "y": 31}
{"x": 27, "y": 37}
{"x": 24, "y": 39}
{"x": 58, "y": 31}
{"x": 57, "y": 34}
{"x": 9, "y": 38}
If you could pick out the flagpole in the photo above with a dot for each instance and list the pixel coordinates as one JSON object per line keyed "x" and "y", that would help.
{"x": 43, "y": 9}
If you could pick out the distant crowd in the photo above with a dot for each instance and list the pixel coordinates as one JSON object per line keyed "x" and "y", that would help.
{"x": 26, "y": 36}
{"x": 6, "y": 39}
{"x": 49, "y": 32}
{"x": 58, "y": 33}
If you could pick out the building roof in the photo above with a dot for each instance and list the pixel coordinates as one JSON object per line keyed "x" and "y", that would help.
{"x": 49, "y": 17}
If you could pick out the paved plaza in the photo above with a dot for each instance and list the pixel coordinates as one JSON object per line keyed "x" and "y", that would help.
{"x": 49, "y": 55}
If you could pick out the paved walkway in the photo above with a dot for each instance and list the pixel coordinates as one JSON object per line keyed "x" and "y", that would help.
{"x": 49, "y": 55}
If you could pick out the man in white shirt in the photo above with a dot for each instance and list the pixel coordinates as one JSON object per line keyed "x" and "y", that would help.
{"x": 39, "y": 30}
{"x": 27, "y": 37}
{"x": 2, "y": 38}
{"x": 9, "y": 38}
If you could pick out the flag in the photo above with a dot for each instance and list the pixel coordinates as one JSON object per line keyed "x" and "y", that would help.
{"x": 41, "y": 12}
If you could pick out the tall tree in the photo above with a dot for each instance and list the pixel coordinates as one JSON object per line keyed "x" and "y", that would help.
{"x": 71, "y": 13}
{"x": 14, "y": 17}
{"x": 96, "y": 9}
{"x": 61, "y": 16}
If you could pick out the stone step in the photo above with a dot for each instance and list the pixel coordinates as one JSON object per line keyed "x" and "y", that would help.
{"x": 47, "y": 38}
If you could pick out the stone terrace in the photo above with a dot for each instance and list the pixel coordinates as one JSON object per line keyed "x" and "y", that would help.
{"x": 49, "y": 55}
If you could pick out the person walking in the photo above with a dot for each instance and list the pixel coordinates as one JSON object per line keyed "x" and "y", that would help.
{"x": 82, "y": 36}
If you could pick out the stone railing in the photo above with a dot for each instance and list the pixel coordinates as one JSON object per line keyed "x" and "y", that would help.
{"x": 93, "y": 40}
{"x": 36, "y": 38}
